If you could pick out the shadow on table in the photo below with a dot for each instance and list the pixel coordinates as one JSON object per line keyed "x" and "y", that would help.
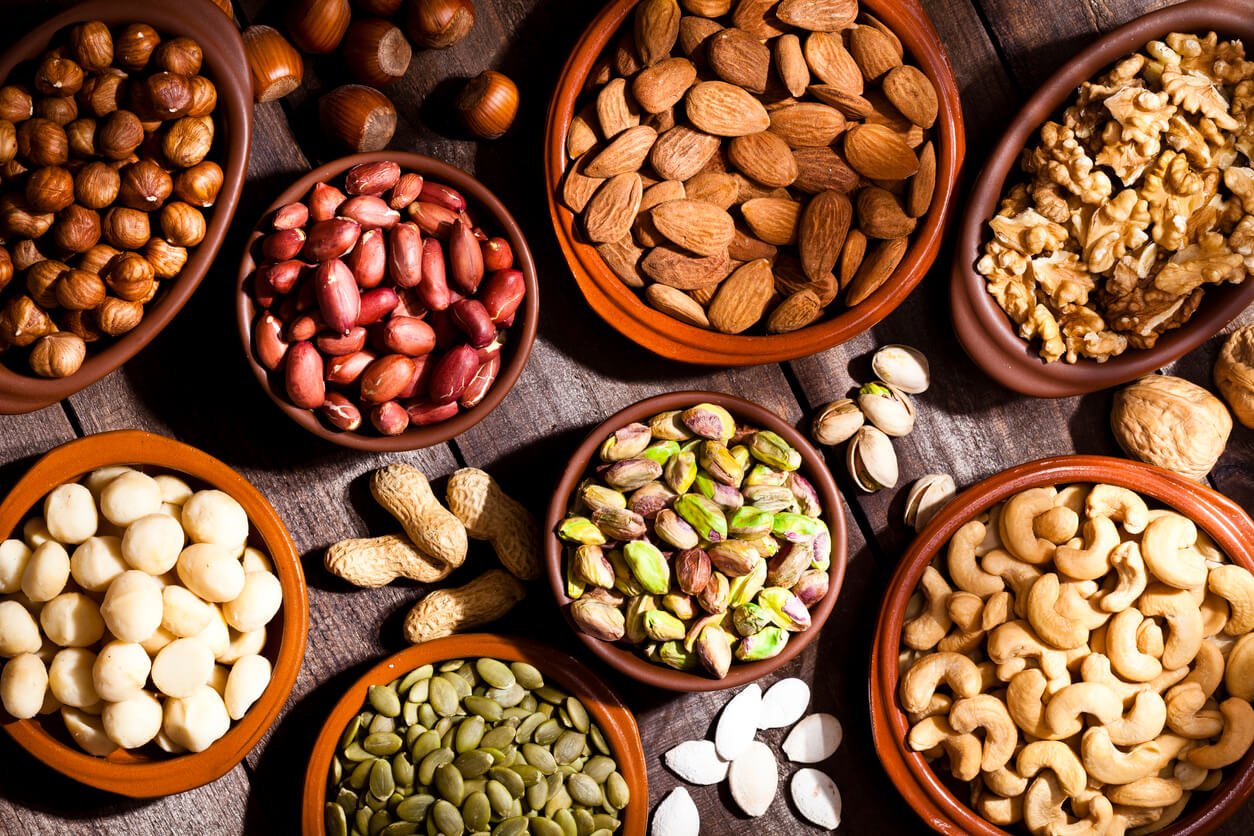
{"x": 31, "y": 784}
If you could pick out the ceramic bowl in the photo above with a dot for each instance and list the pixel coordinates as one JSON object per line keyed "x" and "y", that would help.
{"x": 225, "y": 65}
{"x": 495, "y": 218}
{"x": 983, "y": 328}
{"x": 148, "y": 772}
{"x": 932, "y": 796}
{"x": 625, "y": 658}
{"x": 623, "y": 308}
{"x": 614, "y": 718}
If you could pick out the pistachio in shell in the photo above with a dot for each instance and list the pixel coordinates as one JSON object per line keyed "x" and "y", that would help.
{"x": 902, "y": 366}
{"x": 871, "y": 460}
{"x": 887, "y": 407}
{"x": 927, "y": 497}
{"x": 836, "y": 422}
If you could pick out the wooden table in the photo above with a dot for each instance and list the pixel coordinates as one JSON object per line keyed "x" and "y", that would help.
{"x": 192, "y": 384}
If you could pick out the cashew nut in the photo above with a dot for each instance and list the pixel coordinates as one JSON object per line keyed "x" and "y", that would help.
{"x": 1129, "y": 566}
{"x": 998, "y": 809}
{"x": 997, "y": 610}
{"x": 930, "y": 626}
{"x": 1239, "y": 674}
{"x": 1055, "y": 755}
{"x": 1235, "y": 585}
{"x": 963, "y": 566}
{"x": 963, "y": 749}
{"x": 1096, "y": 820}
{"x": 1111, "y": 766}
{"x": 1190, "y": 777}
{"x": 1057, "y": 525}
{"x": 1146, "y": 792}
{"x": 1184, "y": 618}
{"x": 1149, "y": 639}
{"x": 939, "y": 706}
{"x": 1042, "y": 804}
{"x": 1166, "y": 679}
{"x": 1101, "y": 538}
{"x": 1208, "y": 668}
{"x": 1142, "y": 723}
{"x": 1053, "y": 625}
{"x": 1129, "y": 820}
{"x": 1215, "y": 614}
{"x": 1025, "y": 702}
{"x": 1018, "y": 575}
{"x": 1072, "y": 496}
{"x": 1128, "y": 661}
{"x": 1006, "y": 782}
{"x": 921, "y": 681}
{"x": 928, "y": 733}
{"x": 1185, "y": 715}
{"x": 1016, "y": 524}
{"x": 1062, "y": 712}
{"x": 965, "y": 610}
{"x": 1235, "y": 740}
{"x": 1120, "y": 504}
{"x": 992, "y": 530}
{"x": 1017, "y": 640}
{"x": 1168, "y": 548}
{"x": 987, "y": 712}
{"x": 1096, "y": 668}
{"x": 1166, "y": 816}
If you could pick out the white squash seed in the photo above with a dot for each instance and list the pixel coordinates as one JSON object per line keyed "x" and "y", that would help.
{"x": 697, "y": 762}
{"x": 753, "y": 778}
{"x": 676, "y": 816}
{"x": 738, "y": 723}
{"x": 784, "y": 703}
{"x": 816, "y": 797}
{"x": 814, "y": 739}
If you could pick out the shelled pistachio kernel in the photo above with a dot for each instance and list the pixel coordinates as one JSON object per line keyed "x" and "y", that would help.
{"x": 473, "y": 745}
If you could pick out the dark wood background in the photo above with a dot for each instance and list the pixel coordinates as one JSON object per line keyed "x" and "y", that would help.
{"x": 192, "y": 384}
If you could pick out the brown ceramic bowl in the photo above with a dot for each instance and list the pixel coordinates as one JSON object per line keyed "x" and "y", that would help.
{"x": 149, "y": 772}
{"x": 495, "y": 218}
{"x": 624, "y": 658}
{"x": 983, "y": 328}
{"x": 225, "y": 65}
{"x": 614, "y": 718}
{"x": 622, "y": 307}
{"x": 931, "y": 797}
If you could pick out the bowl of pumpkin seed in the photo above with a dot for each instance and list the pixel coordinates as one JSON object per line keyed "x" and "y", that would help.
{"x": 477, "y": 733}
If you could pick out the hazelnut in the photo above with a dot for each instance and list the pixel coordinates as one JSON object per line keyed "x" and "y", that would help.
{"x": 119, "y": 134}
{"x": 438, "y": 24}
{"x": 19, "y": 220}
{"x": 360, "y": 117}
{"x": 82, "y": 324}
{"x": 12, "y": 171}
{"x": 25, "y": 253}
{"x": 117, "y": 316}
{"x": 95, "y": 258}
{"x": 318, "y": 26}
{"x": 182, "y": 224}
{"x": 58, "y": 76}
{"x": 151, "y": 294}
{"x": 49, "y": 189}
{"x": 8, "y": 140}
{"x": 134, "y": 45}
{"x": 96, "y": 185}
{"x": 274, "y": 64}
{"x": 178, "y": 55}
{"x": 488, "y": 104}
{"x": 81, "y": 134}
{"x": 126, "y": 228}
{"x": 57, "y": 355}
{"x": 145, "y": 186}
{"x": 167, "y": 95}
{"x": 22, "y": 322}
{"x": 187, "y": 142}
{"x": 6, "y": 268}
{"x": 59, "y": 109}
{"x": 42, "y": 142}
{"x": 200, "y": 184}
{"x": 376, "y": 52}
{"x": 102, "y": 94}
{"x": 79, "y": 290}
{"x": 167, "y": 260}
{"x": 129, "y": 275}
{"x": 41, "y": 281}
{"x": 77, "y": 228}
{"x": 92, "y": 45}
{"x": 204, "y": 96}
{"x": 16, "y": 104}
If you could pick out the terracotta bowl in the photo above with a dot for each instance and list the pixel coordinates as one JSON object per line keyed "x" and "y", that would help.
{"x": 622, "y": 657}
{"x": 622, "y": 307}
{"x": 148, "y": 772}
{"x": 225, "y": 65}
{"x": 614, "y": 718}
{"x": 983, "y": 328}
{"x": 495, "y": 218}
{"x": 930, "y": 796}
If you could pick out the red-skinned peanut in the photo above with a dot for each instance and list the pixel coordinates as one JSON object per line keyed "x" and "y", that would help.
{"x": 453, "y": 373}
{"x": 304, "y": 327}
{"x": 369, "y": 259}
{"x": 434, "y": 289}
{"x": 497, "y": 254}
{"x": 331, "y": 238}
{"x": 323, "y": 202}
{"x": 283, "y": 244}
{"x": 291, "y": 216}
{"x": 405, "y": 254}
{"x": 405, "y": 191}
{"x": 472, "y": 318}
{"x": 465, "y": 258}
{"x": 503, "y": 292}
{"x": 263, "y": 291}
{"x": 376, "y": 304}
{"x": 432, "y": 218}
{"x": 372, "y": 178}
{"x": 284, "y": 275}
{"x": 268, "y": 339}
{"x": 442, "y": 195}
{"x": 408, "y": 335}
{"x": 417, "y": 385}
{"x": 386, "y": 378}
{"x": 340, "y": 412}
{"x": 339, "y": 300}
{"x": 370, "y": 211}
{"x": 337, "y": 344}
{"x": 479, "y": 385}
{"x": 347, "y": 368}
{"x": 389, "y": 418}
{"x": 424, "y": 413}
{"x": 305, "y": 386}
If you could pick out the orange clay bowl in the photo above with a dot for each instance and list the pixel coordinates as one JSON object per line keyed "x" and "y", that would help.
{"x": 623, "y": 309}
{"x": 623, "y": 657}
{"x": 933, "y": 798}
{"x": 984, "y": 329}
{"x": 495, "y": 219}
{"x": 614, "y": 718}
{"x": 149, "y": 772}
{"x": 225, "y": 65}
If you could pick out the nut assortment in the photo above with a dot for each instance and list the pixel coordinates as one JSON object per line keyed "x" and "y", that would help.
{"x": 696, "y": 539}
{"x": 106, "y": 176}
{"x": 136, "y": 609}
{"x": 744, "y": 169}
{"x": 1136, "y": 201}
{"x": 1100, "y": 648}
{"x": 365, "y": 317}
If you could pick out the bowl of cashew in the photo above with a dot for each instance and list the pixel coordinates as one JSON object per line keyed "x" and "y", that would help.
{"x": 1068, "y": 647}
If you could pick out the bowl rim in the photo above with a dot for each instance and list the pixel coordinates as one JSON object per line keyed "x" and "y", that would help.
{"x": 521, "y": 335}
{"x": 624, "y": 659}
{"x": 150, "y": 778}
{"x": 983, "y": 328}
{"x": 623, "y": 309}
{"x": 602, "y": 701}
{"x": 1227, "y": 523}
{"x": 224, "y": 57}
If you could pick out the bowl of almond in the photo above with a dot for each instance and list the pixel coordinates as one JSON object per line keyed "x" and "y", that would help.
{"x": 744, "y": 182}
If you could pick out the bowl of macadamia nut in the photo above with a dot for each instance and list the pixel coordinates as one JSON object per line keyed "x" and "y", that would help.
{"x": 1069, "y": 647}
{"x": 124, "y": 134}
{"x": 152, "y": 614}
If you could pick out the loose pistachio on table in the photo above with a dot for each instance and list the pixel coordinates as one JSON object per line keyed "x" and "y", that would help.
{"x": 697, "y": 540}
{"x": 927, "y": 497}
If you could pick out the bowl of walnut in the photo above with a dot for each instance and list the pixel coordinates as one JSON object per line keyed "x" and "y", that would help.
{"x": 1112, "y": 230}
{"x": 746, "y": 182}
{"x": 123, "y": 145}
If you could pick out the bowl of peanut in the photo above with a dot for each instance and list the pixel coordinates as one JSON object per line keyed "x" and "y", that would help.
{"x": 1068, "y": 643}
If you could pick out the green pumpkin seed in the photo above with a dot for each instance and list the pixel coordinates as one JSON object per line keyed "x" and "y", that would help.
{"x": 409, "y": 714}
{"x": 350, "y": 731}
{"x": 599, "y": 768}
{"x": 378, "y": 821}
{"x": 474, "y": 764}
{"x": 569, "y": 746}
{"x": 444, "y": 728}
{"x": 356, "y": 752}
{"x": 515, "y": 713}
{"x": 485, "y": 707}
{"x": 403, "y": 770}
{"x": 616, "y": 791}
{"x": 598, "y": 739}
{"x": 415, "y": 807}
{"x": 539, "y": 757}
{"x": 336, "y": 820}
{"x": 514, "y": 826}
{"x": 499, "y": 798}
{"x": 476, "y": 811}
{"x": 360, "y": 775}
{"x": 566, "y": 821}
{"x": 603, "y": 821}
{"x": 501, "y": 737}
{"x": 583, "y": 790}
{"x": 550, "y": 695}
{"x": 427, "y": 715}
{"x": 384, "y": 700}
{"x": 429, "y": 764}
{"x": 426, "y": 743}
{"x": 529, "y": 774}
{"x": 337, "y": 771}
{"x": 527, "y": 728}
{"x": 451, "y": 665}
{"x": 577, "y": 713}
{"x": 460, "y": 686}
{"x": 528, "y": 676}
{"x": 412, "y": 734}
{"x": 583, "y": 821}
{"x": 544, "y": 826}
{"x": 408, "y": 680}
{"x": 547, "y": 732}
{"x": 400, "y": 828}
{"x": 381, "y": 724}
{"x": 529, "y": 701}
{"x": 361, "y": 820}
{"x": 507, "y": 697}
{"x": 419, "y": 691}
{"x": 450, "y": 784}
{"x": 509, "y": 780}
{"x": 375, "y": 804}
{"x": 447, "y": 818}
{"x": 497, "y": 674}
{"x": 382, "y": 782}
{"x": 381, "y": 744}
{"x": 469, "y": 733}
{"x": 603, "y": 831}
{"x": 444, "y": 698}
{"x": 537, "y": 795}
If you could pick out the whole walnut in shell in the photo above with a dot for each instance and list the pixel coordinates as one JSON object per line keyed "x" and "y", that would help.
{"x": 1172, "y": 423}
{"x": 1234, "y": 374}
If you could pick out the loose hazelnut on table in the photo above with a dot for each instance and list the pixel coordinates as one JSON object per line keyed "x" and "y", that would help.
{"x": 438, "y": 24}
{"x": 376, "y": 52}
{"x": 318, "y": 26}
{"x": 274, "y": 64}
{"x": 359, "y": 117}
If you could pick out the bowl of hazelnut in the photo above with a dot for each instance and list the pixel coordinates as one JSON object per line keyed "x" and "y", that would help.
{"x": 123, "y": 148}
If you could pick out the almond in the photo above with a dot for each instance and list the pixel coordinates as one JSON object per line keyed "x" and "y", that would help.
{"x": 623, "y": 258}
{"x": 577, "y": 187}
{"x": 681, "y": 152}
{"x": 747, "y": 190}
{"x": 712, "y": 187}
{"x": 851, "y": 256}
{"x": 765, "y": 157}
{"x": 796, "y": 311}
{"x": 824, "y": 225}
{"x": 790, "y": 63}
{"x": 694, "y": 32}
{"x": 821, "y": 169}
{"x": 657, "y": 27}
{"x": 658, "y": 87}
{"x": 919, "y": 197}
{"x": 661, "y": 121}
{"x": 894, "y": 41}
{"x": 626, "y": 60}
{"x": 873, "y": 51}
{"x": 677, "y": 304}
{"x": 626, "y": 152}
{"x": 757, "y": 17}
{"x": 791, "y": 278}
{"x": 581, "y": 135}
{"x": 700, "y": 227}
{"x": 807, "y": 125}
{"x": 831, "y": 62}
{"x": 746, "y": 248}
{"x": 742, "y": 297}
{"x": 675, "y": 268}
{"x": 739, "y": 58}
{"x": 851, "y": 105}
{"x": 723, "y": 109}
{"x": 772, "y": 219}
{"x": 610, "y": 212}
{"x": 707, "y": 8}
{"x": 660, "y": 193}
{"x": 818, "y": 15}
{"x": 913, "y": 94}
{"x": 880, "y": 214}
{"x": 878, "y": 153}
{"x": 876, "y": 267}
{"x": 615, "y": 110}
{"x": 644, "y": 231}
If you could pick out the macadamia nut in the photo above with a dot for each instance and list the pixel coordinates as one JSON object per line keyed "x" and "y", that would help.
{"x": 174, "y": 491}
{"x": 164, "y": 742}
{"x": 13, "y": 557}
{"x": 256, "y": 604}
{"x": 88, "y": 732}
{"x": 248, "y": 680}
{"x": 197, "y": 721}
{"x": 242, "y": 644}
{"x": 132, "y": 723}
{"x": 183, "y": 613}
{"x": 211, "y": 570}
{"x": 100, "y": 477}
{"x": 218, "y": 680}
{"x": 120, "y": 671}
{"x": 215, "y": 517}
{"x": 132, "y": 606}
{"x": 72, "y": 620}
{"x": 255, "y": 560}
{"x": 181, "y": 667}
{"x": 97, "y": 562}
{"x": 70, "y": 513}
{"x": 217, "y": 635}
{"x": 18, "y": 631}
{"x": 23, "y": 685}
{"x": 69, "y": 677}
{"x": 159, "y": 639}
{"x": 152, "y": 543}
{"x": 129, "y": 497}
{"x": 35, "y": 532}
{"x": 46, "y": 572}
